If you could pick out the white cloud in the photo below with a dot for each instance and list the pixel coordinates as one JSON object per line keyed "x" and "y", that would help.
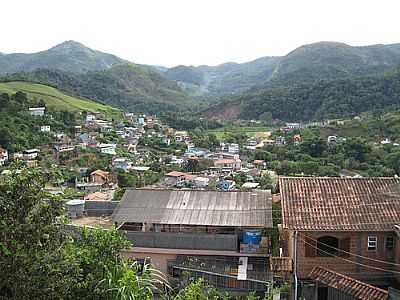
{"x": 172, "y": 32}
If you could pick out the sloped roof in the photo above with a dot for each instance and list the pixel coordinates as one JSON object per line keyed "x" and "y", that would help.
{"x": 348, "y": 285}
{"x": 191, "y": 207}
{"x": 175, "y": 174}
{"x": 101, "y": 173}
{"x": 339, "y": 204}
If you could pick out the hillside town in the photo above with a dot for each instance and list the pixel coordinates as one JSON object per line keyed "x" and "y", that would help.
{"x": 227, "y": 218}
{"x": 200, "y": 150}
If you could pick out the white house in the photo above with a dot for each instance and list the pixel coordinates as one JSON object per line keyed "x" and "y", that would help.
{"x": 30, "y": 154}
{"x": 90, "y": 118}
{"x": 332, "y": 139}
{"x": 232, "y": 148}
{"x": 3, "y": 156}
{"x": 107, "y": 148}
{"x": 175, "y": 178}
{"x": 37, "y": 111}
{"x": 201, "y": 182}
{"x": 45, "y": 128}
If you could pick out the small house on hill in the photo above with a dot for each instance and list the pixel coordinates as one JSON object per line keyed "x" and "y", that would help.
{"x": 100, "y": 176}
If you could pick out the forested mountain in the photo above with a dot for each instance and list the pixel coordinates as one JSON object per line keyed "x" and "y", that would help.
{"x": 128, "y": 86}
{"x": 224, "y": 78}
{"x": 330, "y": 60}
{"x": 69, "y": 56}
{"x": 321, "y": 99}
{"x": 323, "y": 60}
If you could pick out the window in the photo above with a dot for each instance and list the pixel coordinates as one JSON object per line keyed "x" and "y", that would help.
{"x": 327, "y": 246}
{"x": 389, "y": 242}
{"x": 372, "y": 242}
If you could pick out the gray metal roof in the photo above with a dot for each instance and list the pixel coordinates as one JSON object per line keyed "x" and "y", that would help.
{"x": 190, "y": 207}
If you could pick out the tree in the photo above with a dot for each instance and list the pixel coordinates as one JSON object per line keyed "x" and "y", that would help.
{"x": 33, "y": 260}
{"x": 20, "y": 97}
{"x": 41, "y": 259}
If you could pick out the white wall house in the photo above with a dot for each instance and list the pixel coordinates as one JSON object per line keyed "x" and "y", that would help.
{"x": 90, "y": 118}
{"x": 30, "y": 154}
{"x": 107, "y": 148}
{"x": 3, "y": 156}
{"x": 37, "y": 111}
{"x": 45, "y": 128}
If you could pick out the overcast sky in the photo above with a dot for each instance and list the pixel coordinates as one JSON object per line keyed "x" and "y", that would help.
{"x": 172, "y": 32}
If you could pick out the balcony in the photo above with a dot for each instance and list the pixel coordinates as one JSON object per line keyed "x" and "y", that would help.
{"x": 222, "y": 272}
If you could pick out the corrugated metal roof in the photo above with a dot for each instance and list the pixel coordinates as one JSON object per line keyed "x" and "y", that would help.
{"x": 190, "y": 207}
{"x": 348, "y": 285}
{"x": 340, "y": 204}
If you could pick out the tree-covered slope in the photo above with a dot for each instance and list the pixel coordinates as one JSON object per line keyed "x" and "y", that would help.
{"x": 330, "y": 60}
{"x": 308, "y": 63}
{"x": 69, "y": 56}
{"x": 224, "y": 78}
{"x": 318, "y": 100}
{"x": 127, "y": 86}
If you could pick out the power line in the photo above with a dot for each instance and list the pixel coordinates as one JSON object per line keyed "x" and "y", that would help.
{"x": 352, "y": 262}
{"x": 353, "y": 254}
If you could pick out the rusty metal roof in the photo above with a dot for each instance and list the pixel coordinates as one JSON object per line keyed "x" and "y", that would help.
{"x": 340, "y": 204}
{"x": 348, "y": 285}
{"x": 193, "y": 207}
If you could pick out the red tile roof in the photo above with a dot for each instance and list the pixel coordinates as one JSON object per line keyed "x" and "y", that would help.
{"x": 348, "y": 285}
{"x": 175, "y": 174}
{"x": 340, "y": 204}
{"x": 101, "y": 173}
{"x": 226, "y": 161}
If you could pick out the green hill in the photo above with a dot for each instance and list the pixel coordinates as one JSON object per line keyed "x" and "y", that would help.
{"x": 57, "y": 99}
{"x": 127, "y": 86}
{"x": 69, "y": 56}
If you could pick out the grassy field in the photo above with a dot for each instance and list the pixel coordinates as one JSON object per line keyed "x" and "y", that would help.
{"x": 57, "y": 99}
{"x": 250, "y": 131}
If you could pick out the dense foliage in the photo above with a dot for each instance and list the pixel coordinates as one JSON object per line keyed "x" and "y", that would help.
{"x": 323, "y": 99}
{"x": 19, "y": 130}
{"x": 314, "y": 156}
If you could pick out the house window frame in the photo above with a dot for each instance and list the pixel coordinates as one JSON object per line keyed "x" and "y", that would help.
{"x": 372, "y": 242}
{"x": 392, "y": 243}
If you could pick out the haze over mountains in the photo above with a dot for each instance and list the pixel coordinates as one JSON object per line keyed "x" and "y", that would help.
{"x": 77, "y": 69}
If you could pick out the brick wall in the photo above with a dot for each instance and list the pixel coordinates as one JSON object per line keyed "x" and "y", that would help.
{"x": 343, "y": 264}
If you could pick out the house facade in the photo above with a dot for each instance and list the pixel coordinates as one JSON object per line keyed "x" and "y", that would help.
{"x": 346, "y": 225}
{"x": 30, "y": 154}
{"x": 3, "y": 156}
{"x": 37, "y": 111}
{"x": 175, "y": 178}
{"x": 100, "y": 177}
{"x": 217, "y": 236}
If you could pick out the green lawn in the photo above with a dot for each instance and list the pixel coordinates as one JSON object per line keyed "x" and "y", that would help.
{"x": 248, "y": 130}
{"x": 57, "y": 99}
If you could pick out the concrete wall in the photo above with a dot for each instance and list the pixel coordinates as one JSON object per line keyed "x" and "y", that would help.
{"x": 172, "y": 240}
{"x": 99, "y": 208}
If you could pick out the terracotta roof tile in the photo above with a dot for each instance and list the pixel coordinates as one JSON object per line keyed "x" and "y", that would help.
{"x": 101, "y": 173}
{"x": 340, "y": 204}
{"x": 175, "y": 174}
{"x": 348, "y": 285}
